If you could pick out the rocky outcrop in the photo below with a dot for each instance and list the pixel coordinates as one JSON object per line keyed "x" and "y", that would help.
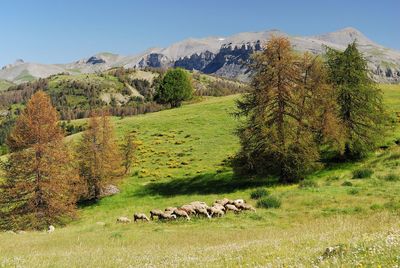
{"x": 195, "y": 61}
{"x": 230, "y": 61}
{"x": 155, "y": 60}
{"x": 95, "y": 60}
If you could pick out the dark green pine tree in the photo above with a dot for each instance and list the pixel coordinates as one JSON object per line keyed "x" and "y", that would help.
{"x": 359, "y": 100}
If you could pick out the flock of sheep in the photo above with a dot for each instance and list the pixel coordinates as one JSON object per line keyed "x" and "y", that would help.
{"x": 196, "y": 208}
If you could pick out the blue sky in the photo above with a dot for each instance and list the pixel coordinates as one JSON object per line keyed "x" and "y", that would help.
{"x": 56, "y": 31}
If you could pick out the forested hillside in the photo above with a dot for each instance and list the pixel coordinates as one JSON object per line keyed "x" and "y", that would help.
{"x": 121, "y": 91}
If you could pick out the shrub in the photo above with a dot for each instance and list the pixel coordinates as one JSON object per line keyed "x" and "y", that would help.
{"x": 376, "y": 207}
{"x": 391, "y": 177}
{"x": 333, "y": 178}
{"x": 258, "y": 193}
{"x": 269, "y": 202}
{"x": 308, "y": 184}
{"x": 362, "y": 173}
{"x": 347, "y": 183}
{"x": 353, "y": 191}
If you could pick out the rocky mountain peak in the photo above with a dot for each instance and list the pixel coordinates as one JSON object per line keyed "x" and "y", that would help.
{"x": 220, "y": 55}
{"x": 345, "y": 36}
{"x": 16, "y": 63}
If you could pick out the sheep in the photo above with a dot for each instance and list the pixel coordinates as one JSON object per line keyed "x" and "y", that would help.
{"x": 140, "y": 216}
{"x": 51, "y": 229}
{"x": 198, "y": 204}
{"x": 155, "y": 212}
{"x": 166, "y": 216}
{"x": 223, "y": 201}
{"x": 169, "y": 212}
{"x": 232, "y": 207}
{"x": 238, "y": 201}
{"x": 119, "y": 220}
{"x": 245, "y": 207}
{"x": 216, "y": 212}
{"x": 202, "y": 211}
{"x": 170, "y": 208}
{"x": 189, "y": 209}
{"x": 181, "y": 213}
{"x": 219, "y": 206}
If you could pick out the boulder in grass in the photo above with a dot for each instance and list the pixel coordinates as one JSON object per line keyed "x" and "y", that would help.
{"x": 109, "y": 190}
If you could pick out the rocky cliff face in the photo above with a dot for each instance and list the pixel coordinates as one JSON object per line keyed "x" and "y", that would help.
{"x": 232, "y": 58}
{"x": 223, "y": 56}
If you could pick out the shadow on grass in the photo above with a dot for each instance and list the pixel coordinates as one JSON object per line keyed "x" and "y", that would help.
{"x": 208, "y": 183}
{"x": 87, "y": 203}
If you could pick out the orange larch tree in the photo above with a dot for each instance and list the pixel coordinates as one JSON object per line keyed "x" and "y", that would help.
{"x": 98, "y": 156}
{"x": 39, "y": 175}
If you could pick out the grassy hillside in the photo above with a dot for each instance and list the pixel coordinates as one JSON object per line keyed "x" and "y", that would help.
{"x": 4, "y": 84}
{"x": 180, "y": 158}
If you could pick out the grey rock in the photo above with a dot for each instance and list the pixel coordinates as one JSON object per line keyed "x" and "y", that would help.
{"x": 109, "y": 190}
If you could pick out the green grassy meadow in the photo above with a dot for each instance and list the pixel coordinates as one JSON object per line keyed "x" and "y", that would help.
{"x": 181, "y": 157}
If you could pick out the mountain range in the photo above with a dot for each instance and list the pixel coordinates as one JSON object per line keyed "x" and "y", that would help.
{"x": 223, "y": 56}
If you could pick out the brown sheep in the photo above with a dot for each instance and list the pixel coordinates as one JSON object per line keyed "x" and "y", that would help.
{"x": 189, "y": 209}
{"x": 140, "y": 216}
{"x": 245, "y": 207}
{"x": 155, "y": 212}
{"x": 166, "y": 216}
{"x": 181, "y": 213}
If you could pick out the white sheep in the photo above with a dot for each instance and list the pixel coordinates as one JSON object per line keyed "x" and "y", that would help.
{"x": 170, "y": 208}
{"x": 198, "y": 204}
{"x": 123, "y": 220}
{"x": 232, "y": 207}
{"x": 223, "y": 201}
{"x": 217, "y": 212}
{"x": 51, "y": 229}
{"x": 202, "y": 211}
{"x": 219, "y": 206}
{"x": 239, "y": 201}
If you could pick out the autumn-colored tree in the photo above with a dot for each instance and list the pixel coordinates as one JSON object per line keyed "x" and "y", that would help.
{"x": 98, "y": 157}
{"x": 38, "y": 189}
{"x": 286, "y": 118}
{"x": 128, "y": 152}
